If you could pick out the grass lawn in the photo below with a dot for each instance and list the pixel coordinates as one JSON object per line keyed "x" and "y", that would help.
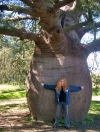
{"x": 10, "y": 93}
{"x": 15, "y": 91}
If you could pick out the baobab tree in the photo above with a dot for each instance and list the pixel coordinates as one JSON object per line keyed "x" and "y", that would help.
{"x": 58, "y": 49}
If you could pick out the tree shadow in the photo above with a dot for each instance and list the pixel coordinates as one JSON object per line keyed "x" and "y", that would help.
{"x": 18, "y": 121}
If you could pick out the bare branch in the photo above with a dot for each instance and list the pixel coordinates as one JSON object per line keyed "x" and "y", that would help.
{"x": 21, "y": 33}
{"x": 88, "y": 28}
{"x": 21, "y": 18}
{"x": 93, "y": 46}
{"x": 82, "y": 30}
{"x": 62, "y": 3}
{"x": 73, "y": 27}
{"x": 17, "y": 9}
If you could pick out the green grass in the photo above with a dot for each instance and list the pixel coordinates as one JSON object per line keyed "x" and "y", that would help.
{"x": 96, "y": 91}
{"x": 93, "y": 114}
{"x": 13, "y": 95}
{"x": 11, "y": 88}
{"x": 12, "y": 92}
{"x": 15, "y": 91}
{"x": 95, "y": 108}
{"x": 8, "y": 92}
{"x": 5, "y": 108}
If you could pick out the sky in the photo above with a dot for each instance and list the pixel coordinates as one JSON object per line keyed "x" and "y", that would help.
{"x": 93, "y": 59}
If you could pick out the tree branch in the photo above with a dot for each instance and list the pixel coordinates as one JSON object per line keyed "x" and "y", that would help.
{"x": 93, "y": 46}
{"x": 21, "y": 18}
{"x": 21, "y": 33}
{"x": 88, "y": 28}
{"x": 16, "y": 9}
{"x": 82, "y": 30}
{"x": 73, "y": 27}
{"x": 62, "y": 3}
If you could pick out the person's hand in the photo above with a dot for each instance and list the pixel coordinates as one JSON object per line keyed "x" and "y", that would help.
{"x": 82, "y": 87}
{"x": 42, "y": 84}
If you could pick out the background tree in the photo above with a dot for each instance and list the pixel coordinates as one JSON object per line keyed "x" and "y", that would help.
{"x": 15, "y": 56}
{"x": 58, "y": 51}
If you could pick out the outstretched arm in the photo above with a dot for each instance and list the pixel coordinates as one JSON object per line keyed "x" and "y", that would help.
{"x": 50, "y": 87}
{"x": 75, "y": 88}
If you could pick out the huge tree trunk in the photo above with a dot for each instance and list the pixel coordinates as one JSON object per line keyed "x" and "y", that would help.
{"x": 50, "y": 64}
{"x": 57, "y": 54}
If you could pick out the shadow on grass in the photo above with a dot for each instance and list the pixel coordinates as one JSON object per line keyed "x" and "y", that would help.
{"x": 92, "y": 121}
{"x": 4, "y": 108}
{"x": 43, "y": 126}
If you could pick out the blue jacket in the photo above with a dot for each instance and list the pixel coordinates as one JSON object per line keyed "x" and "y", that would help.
{"x": 67, "y": 92}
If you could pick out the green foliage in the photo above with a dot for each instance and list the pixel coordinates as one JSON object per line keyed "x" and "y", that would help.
{"x": 89, "y": 8}
{"x": 15, "y": 57}
{"x": 96, "y": 83}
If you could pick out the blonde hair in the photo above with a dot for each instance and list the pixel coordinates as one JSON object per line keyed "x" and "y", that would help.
{"x": 65, "y": 86}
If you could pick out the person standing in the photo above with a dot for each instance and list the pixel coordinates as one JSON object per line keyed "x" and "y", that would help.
{"x": 62, "y": 99}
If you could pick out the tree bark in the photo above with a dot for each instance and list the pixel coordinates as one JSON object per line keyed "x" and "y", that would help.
{"x": 51, "y": 62}
{"x": 58, "y": 54}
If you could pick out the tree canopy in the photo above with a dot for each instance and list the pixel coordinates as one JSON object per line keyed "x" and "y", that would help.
{"x": 24, "y": 19}
{"x": 19, "y": 18}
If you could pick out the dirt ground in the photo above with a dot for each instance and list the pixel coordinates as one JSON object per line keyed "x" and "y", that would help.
{"x": 16, "y": 119}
